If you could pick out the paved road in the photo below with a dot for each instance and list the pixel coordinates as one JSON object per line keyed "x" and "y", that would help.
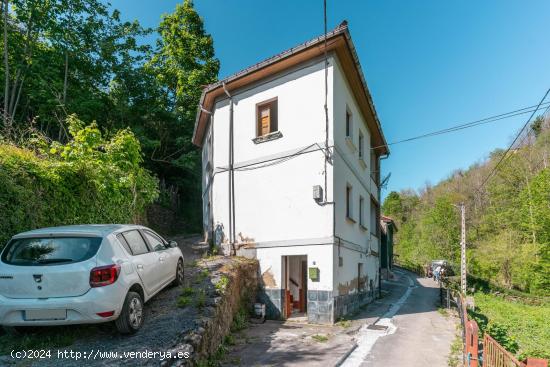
{"x": 411, "y": 333}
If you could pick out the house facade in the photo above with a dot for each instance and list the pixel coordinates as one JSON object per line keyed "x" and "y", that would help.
{"x": 292, "y": 184}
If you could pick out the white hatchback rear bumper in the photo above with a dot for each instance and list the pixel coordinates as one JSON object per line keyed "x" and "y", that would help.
{"x": 82, "y": 309}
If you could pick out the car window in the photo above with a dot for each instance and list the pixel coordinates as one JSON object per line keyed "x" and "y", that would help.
{"x": 50, "y": 250}
{"x": 124, "y": 244}
{"x": 157, "y": 244}
{"x": 136, "y": 242}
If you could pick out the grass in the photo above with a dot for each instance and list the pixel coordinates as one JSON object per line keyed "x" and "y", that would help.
{"x": 183, "y": 301}
{"x": 221, "y": 285}
{"x": 443, "y": 311}
{"x": 240, "y": 320}
{"x": 344, "y": 323}
{"x": 203, "y": 274}
{"x": 525, "y": 324}
{"x": 455, "y": 356}
{"x": 200, "y": 301}
{"x": 320, "y": 338}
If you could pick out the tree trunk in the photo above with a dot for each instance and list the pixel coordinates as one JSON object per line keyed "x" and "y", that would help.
{"x": 65, "y": 77}
{"x": 6, "y": 64}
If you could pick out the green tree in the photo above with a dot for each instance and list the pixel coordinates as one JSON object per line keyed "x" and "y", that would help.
{"x": 182, "y": 64}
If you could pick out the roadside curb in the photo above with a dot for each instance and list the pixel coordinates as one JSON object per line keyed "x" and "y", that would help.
{"x": 346, "y": 355}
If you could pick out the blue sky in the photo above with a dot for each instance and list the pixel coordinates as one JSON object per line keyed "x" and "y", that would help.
{"x": 429, "y": 64}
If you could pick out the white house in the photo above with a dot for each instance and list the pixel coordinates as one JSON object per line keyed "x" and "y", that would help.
{"x": 272, "y": 189}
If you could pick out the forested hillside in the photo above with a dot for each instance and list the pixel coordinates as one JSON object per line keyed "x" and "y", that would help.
{"x": 507, "y": 216}
{"x": 79, "y": 57}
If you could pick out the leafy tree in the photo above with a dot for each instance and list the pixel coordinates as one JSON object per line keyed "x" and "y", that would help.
{"x": 182, "y": 64}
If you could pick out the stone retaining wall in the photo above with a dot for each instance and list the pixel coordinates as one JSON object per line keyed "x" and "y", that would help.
{"x": 221, "y": 305}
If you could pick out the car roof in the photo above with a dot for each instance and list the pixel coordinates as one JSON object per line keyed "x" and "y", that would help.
{"x": 100, "y": 230}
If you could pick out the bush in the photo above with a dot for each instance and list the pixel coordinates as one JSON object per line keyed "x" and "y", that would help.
{"x": 88, "y": 180}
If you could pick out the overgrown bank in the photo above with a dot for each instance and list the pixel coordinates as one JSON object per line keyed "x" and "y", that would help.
{"x": 507, "y": 216}
{"x": 90, "y": 179}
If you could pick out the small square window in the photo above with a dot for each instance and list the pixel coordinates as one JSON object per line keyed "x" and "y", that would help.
{"x": 266, "y": 118}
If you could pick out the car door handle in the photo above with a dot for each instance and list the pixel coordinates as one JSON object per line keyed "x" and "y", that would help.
{"x": 140, "y": 266}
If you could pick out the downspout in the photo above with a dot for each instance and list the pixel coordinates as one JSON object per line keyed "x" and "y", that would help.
{"x": 231, "y": 175}
{"x": 379, "y": 216}
{"x": 210, "y": 195}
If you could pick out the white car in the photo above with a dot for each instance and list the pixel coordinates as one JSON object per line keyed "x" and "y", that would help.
{"x": 85, "y": 274}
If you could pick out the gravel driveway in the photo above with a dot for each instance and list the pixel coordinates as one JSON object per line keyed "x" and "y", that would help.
{"x": 163, "y": 323}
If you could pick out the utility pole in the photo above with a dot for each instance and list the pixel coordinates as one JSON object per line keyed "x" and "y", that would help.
{"x": 463, "y": 249}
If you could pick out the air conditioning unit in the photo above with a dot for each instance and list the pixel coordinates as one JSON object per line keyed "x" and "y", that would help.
{"x": 317, "y": 193}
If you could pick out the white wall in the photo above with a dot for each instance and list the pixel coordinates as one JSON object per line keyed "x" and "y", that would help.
{"x": 317, "y": 256}
{"x": 275, "y": 203}
{"x": 348, "y": 170}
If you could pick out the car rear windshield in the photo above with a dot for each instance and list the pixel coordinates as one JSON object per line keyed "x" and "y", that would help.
{"x": 50, "y": 250}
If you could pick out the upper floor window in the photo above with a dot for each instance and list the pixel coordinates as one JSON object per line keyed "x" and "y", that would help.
{"x": 349, "y": 124}
{"x": 266, "y": 118}
{"x": 349, "y": 202}
{"x": 361, "y": 211}
{"x": 361, "y": 144}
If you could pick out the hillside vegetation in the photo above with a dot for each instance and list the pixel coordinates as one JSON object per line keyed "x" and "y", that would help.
{"x": 89, "y": 179}
{"x": 65, "y": 57}
{"x": 507, "y": 216}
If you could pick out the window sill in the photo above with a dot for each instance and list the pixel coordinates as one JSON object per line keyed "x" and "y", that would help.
{"x": 362, "y": 162}
{"x": 363, "y": 227}
{"x": 268, "y": 137}
{"x": 351, "y": 220}
{"x": 349, "y": 142}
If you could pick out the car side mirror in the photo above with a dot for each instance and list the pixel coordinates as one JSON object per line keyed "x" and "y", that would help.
{"x": 172, "y": 244}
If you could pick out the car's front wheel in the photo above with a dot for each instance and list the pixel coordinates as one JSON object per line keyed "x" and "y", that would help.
{"x": 180, "y": 275}
{"x": 131, "y": 317}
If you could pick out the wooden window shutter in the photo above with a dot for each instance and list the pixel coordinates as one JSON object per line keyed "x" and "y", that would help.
{"x": 265, "y": 120}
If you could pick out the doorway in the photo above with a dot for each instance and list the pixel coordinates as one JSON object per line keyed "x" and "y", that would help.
{"x": 295, "y": 286}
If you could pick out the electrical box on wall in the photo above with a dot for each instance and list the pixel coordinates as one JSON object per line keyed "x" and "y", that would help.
{"x": 314, "y": 274}
{"x": 317, "y": 193}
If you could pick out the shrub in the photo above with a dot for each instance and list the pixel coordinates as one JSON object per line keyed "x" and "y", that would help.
{"x": 90, "y": 179}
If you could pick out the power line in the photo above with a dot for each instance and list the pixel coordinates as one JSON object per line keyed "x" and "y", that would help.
{"x": 513, "y": 142}
{"x": 470, "y": 124}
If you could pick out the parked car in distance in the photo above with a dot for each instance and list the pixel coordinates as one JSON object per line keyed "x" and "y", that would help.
{"x": 85, "y": 274}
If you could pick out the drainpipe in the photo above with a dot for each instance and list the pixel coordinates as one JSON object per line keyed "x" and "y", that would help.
{"x": 379, "y": 209}
{"x": 211, "y": 176}
{"x": 231, "y": 175}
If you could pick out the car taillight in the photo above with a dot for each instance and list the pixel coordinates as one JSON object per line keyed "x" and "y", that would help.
{"x": 104, "y": 275}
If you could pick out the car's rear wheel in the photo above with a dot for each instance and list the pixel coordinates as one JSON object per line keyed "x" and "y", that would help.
{"x": 180, "y": 274}
{"x": 131, "y": 317}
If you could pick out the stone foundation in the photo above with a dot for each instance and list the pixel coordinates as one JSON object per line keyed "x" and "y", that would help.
{"x": 322, "y": 306}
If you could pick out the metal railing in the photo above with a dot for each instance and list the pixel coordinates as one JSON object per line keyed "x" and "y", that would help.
{"x": 494, "y": 354}
{"x": 489, "y": 353}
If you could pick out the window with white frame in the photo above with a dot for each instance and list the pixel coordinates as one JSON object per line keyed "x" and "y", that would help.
{"x": 349, "y": 124}
{"x": 349, "y": 202}
{"x": 361, "y": 211}
{"x": 361, "y": 143}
